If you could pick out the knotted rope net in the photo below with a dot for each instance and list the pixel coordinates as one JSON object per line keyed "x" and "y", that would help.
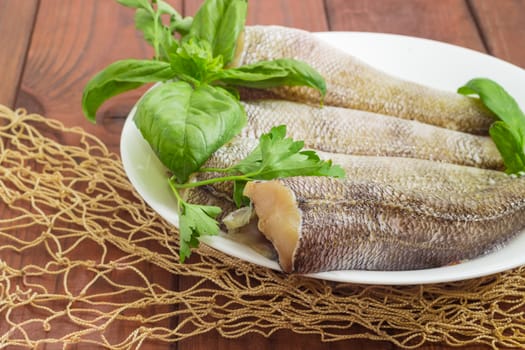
{"x": 84, "y": 260}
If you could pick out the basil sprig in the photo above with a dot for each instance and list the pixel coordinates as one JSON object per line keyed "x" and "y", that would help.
{"x": 119, "y": 77}
{"x": 185, "y": 125}
{"x": 196, "y": 110}
{"x": 220, "y": 23}
{"x": 508, "y": 131}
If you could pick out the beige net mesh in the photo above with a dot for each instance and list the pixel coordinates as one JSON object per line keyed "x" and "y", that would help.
{"x": 84, "y": 260}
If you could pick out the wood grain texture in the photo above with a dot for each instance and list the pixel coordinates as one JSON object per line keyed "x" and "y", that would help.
{"x": 444, "y": 20}
{"x": 73, "y": 40}
{"x": 16, "y": 21}
{"x": 503, "y": 28}
{"x": 304, "y": 14}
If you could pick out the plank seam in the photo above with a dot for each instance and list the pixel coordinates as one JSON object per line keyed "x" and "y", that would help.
{"x": 477, "y": 22}
{"x": 26, "y": 54}
{"x": 327, "y": 15}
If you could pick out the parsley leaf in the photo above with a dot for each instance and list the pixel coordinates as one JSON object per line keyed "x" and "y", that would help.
{"x": 277, "y": 157}
{"x": 195, "y": 221}
{"x": 274, "y": 157}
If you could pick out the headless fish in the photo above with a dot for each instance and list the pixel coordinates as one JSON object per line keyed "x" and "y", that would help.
{"x": 354, "y": 84}
{"x": 389, "y": 214}
{"x": 349, "y": 131}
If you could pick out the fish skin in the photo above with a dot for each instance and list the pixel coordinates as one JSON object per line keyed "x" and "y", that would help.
{"x": 349, "y": 131}
{"x": 354, "y": 84}
{"x": 371, "y": 226}
{"x": 397, "y": 213}
{"x": 406, "y": 173}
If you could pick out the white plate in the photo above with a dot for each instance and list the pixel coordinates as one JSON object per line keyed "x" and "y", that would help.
{"x": 429, "y": 62}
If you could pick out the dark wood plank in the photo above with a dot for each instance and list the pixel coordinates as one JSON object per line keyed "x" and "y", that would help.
{"x": 503, "y": 28}
{"x": 304, "y": 14}
{"x": 444, "y": 20}
{"x": 16, "y": 26}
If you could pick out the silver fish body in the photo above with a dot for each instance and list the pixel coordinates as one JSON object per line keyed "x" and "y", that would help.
{"x": 387, "y": 214}
{"x": 349, "y": 131}
{"x": 354, "y": 84}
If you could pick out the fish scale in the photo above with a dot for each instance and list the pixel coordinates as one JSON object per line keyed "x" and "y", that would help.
{"x": 408, "y": 173}
{"x": 354, "y": 84}
{"x": 349, "y": 131}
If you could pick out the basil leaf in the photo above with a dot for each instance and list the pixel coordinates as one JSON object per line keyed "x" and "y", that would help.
{"x": 164, "y": 8}
{"x": 119, "y": 77}
{"x": 510, "y": 149}
{"x": 184, "y": 126}
{"x": 181, "y": 26}
{"x": 498, "y": 101}
{"x": 178, "y": 23}
{"x": 269, "y": 74}
{"x": 508, "y": 133}
{"x": 145, "y": 22}
{"x": 220, "y": 23}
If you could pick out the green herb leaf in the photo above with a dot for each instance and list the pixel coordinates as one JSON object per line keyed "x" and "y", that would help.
{"x": 184, "y": 126}
{"x": 269, "y": 74}
{"x": 194, "y": 61}
{"x": 145, "y": 22}
{"x": 164, "y": 8}
{"x": 508, "y": 146}
{"x": 181, "y": 26}
{"x": 195, "y": 221}
{"x": 238, "y": 197}
{"x": 277, "y": 157}
{"x": 155, "y": 33}
{"x": 149, "y": 21}
{"x": 509, "y": 132}
{"x": 220, "y": 22}
{"x": 498, "y": 101}
{"x": 119, "y": 77}
{"x": 135, "y": 3}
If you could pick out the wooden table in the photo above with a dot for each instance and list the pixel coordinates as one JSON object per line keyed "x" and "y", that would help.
{"x": 50, "y": 48}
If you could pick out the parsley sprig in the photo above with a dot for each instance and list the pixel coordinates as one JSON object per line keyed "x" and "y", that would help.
{"x": 276, "y": 156}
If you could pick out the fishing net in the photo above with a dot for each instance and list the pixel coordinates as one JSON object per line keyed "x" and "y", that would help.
{"x": 84, "y": 260}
